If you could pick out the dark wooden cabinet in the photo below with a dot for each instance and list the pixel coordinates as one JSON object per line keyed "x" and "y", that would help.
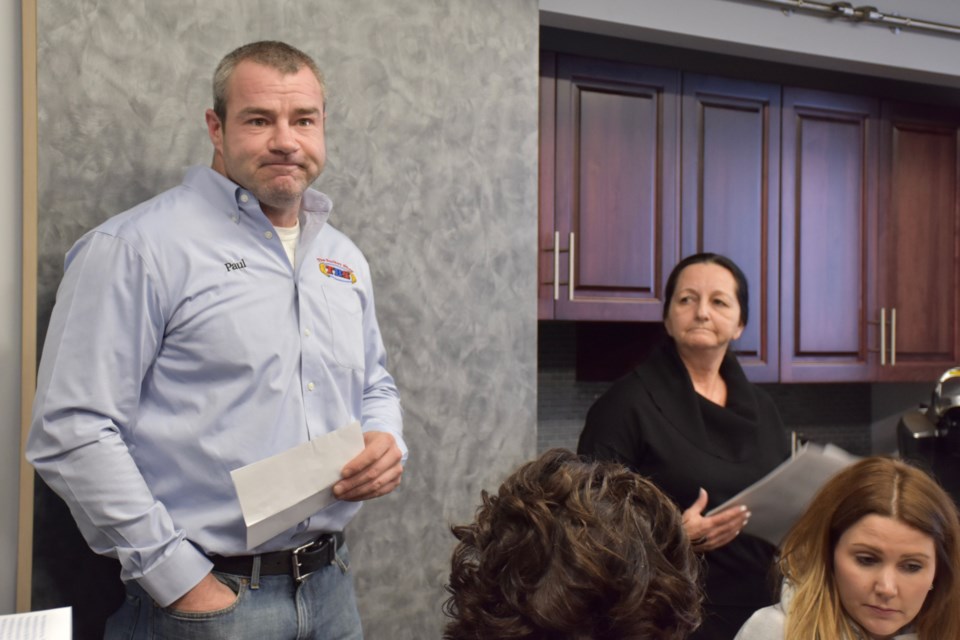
{"x": 548, "y": 266}
{"x": 609, "y": 136}
{"x": 842, "y": 210}
{"x": 828, "y": 213}
{"x": 918, "y": 272}
{"x": 729, "y": 186}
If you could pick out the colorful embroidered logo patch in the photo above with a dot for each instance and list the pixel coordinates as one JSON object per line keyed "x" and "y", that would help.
{"x": 337, "y": 271}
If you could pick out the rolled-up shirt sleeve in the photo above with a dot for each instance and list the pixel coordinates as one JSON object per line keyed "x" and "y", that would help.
{"x": 106, "y": 327}
{"x": 381, "y": 399}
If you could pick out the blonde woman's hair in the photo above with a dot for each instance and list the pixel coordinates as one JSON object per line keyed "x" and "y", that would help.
{"x": 879, "y": 486}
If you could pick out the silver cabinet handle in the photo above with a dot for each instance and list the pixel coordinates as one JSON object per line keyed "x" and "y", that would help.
{"x": 893, "y": 336}
{"x": 570, "y": 278}
{"x": 883, "y": 336}
{"x": 556, "y": 265}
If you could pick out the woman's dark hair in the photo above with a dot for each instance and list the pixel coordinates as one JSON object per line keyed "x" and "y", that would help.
{"x": 743, "y": 292}
{"x": 569, "y": 549}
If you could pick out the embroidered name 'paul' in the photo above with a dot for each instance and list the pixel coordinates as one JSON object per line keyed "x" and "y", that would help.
{"x": 233, "y": 266}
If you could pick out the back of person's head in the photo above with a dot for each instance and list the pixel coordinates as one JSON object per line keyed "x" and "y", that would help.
{"x": 569, "y": 549}
{"x": 874, "y": 486}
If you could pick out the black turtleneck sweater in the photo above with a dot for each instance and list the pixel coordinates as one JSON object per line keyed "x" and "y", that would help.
{"x": 654, "y": 422}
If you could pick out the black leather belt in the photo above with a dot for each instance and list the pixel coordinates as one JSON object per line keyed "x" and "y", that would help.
{"x": 298, "y": 563}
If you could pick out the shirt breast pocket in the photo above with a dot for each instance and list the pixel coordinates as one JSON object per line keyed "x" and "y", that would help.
{"x": 346, "y": 326}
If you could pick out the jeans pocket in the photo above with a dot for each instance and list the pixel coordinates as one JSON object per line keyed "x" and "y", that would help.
{"x": 122, "y": 623}
{"x": 207, "y": 625}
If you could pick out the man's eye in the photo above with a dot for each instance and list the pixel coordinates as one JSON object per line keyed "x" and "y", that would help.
{"x": 305, "y": 122}
{"x": 257, "y": 122}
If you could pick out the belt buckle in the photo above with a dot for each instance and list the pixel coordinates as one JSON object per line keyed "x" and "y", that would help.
{"x": 319, "y": 543}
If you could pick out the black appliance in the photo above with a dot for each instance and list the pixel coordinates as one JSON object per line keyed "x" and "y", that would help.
{"x": 930, "y": 436}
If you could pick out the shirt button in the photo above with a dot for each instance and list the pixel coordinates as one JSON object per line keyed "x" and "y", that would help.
{"x": 268, "y": 235}
{"x": 236, "y": 218}
{"x": 310, "y": 386}
{"x": 244, "y": 198}
{"x": 307, "y": 332}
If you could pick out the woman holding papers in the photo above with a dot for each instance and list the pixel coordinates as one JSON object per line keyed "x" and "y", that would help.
{"x": 875, "y": 556}
{"x": 689, "y": 420}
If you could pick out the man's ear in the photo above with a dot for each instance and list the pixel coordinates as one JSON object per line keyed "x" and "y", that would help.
{"x": 215, "y": 129}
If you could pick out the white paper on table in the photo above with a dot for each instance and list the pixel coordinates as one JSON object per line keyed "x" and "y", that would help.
{"x": 779, "y": 498}
{"x": 50, "y": 624}
{"x": 278, "y": 492}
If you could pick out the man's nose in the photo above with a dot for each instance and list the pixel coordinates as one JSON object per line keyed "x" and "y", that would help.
{"x": 283, "y": 139}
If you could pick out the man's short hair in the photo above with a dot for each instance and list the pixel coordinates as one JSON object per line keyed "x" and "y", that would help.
{"x": 270, "y": 53}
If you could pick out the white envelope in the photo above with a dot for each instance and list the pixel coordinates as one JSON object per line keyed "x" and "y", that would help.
{"x": 278, "y": 492}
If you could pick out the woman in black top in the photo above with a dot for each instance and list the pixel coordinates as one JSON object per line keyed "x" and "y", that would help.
{"x": 689, "y": 420}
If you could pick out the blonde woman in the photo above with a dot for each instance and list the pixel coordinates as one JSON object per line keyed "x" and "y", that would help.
{"x": 876, "y": 556}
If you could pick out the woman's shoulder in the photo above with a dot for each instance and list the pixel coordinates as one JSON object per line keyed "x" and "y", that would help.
{"x": 618, "y": 422}
{"x": 764, "y": 624}
{"x": 626, "y": 396}
{"x": 768, "y": 624}
{"x": 652, "y": 382}
{"x": 647, "y": 375}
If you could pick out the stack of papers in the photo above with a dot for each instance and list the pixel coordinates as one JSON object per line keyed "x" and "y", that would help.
{"x": 52, "y": 624}
{"x": 778, "y": 499}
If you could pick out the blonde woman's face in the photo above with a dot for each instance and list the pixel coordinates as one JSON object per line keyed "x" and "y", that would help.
{"x": 883, "y": 570}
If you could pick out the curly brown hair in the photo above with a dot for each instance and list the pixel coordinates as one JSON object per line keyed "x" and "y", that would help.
{"x": 571, "y": 549}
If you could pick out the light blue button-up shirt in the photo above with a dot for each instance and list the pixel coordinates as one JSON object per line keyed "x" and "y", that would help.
{"x": 183, "y": 345}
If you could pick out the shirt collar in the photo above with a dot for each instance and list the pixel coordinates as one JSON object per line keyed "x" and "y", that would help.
{"x": 225, "y": 194}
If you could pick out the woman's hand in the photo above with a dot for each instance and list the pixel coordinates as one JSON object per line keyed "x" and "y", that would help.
{"x": 707, "y": 533}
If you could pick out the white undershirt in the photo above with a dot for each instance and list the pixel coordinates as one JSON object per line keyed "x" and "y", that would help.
{"x": 289, "y": 237}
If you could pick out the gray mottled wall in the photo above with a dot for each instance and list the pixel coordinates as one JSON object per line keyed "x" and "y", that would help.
{"x": 432, "y": 146}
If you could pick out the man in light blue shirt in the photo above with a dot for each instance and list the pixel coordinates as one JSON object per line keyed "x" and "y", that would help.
{"x": 219, "y": 323}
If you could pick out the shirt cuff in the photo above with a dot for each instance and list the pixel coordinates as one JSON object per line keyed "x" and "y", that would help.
{"x": 377, "y": 425}
{"x": 172, "y": 578}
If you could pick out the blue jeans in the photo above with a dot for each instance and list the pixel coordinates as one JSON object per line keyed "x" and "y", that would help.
{"x": 322, "y": 607}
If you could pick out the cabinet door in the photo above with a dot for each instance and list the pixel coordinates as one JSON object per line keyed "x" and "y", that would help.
{"x": 730, "y": 190}
{"x": 615, "y": 188}
{"x": 918, "y": 269}
{"x": 828, "y": 226}
{"x": 549, "y": 249}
